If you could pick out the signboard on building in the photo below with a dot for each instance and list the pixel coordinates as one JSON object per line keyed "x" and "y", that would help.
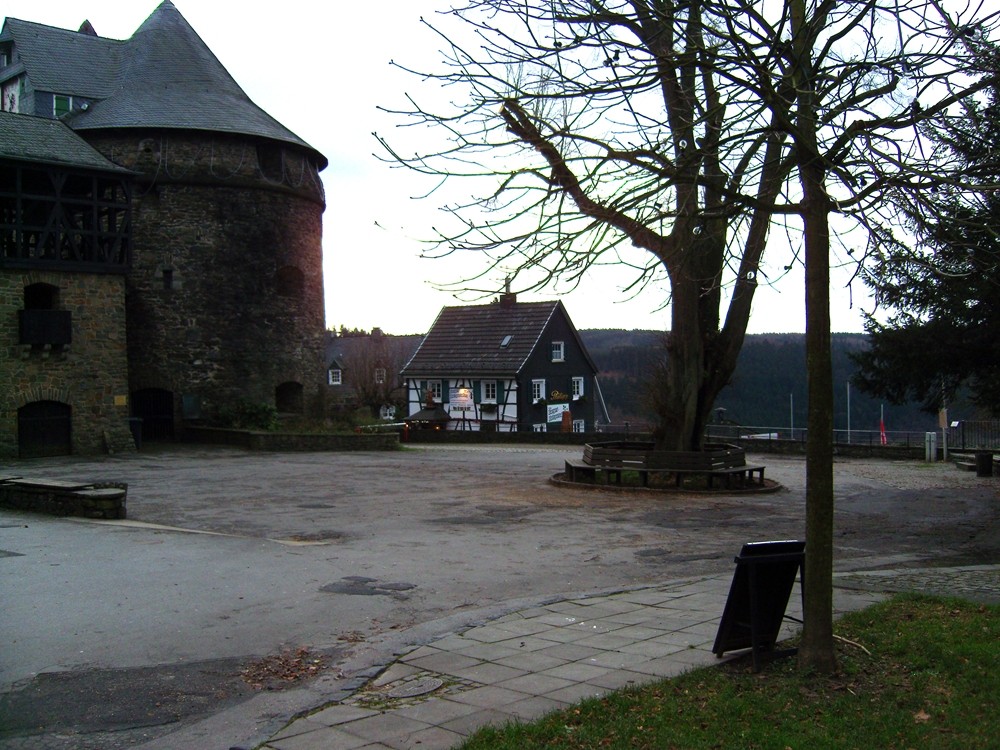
{"x": 460, "y": 399}
{"x": 555, "y": 412}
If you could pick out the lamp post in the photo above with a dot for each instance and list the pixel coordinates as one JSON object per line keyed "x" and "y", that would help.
{"x": 848, "y": 412}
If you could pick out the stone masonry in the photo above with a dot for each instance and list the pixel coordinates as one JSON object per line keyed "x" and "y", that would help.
{"x": 91, "y": 374}
{"x": 225, "y": 293}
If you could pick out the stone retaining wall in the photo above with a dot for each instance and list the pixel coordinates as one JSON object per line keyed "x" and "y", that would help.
{"x": 96, "y": 500}
{"x": 293, "y": 441}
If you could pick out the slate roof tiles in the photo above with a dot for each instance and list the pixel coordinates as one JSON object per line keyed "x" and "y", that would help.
{"x": 42, "y": 140}
{"x": 164, "y": 76}
{"x": 469, "y": 340}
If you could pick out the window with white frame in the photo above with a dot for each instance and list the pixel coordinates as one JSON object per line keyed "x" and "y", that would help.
{"x": 489, "y": 392}
{"x": 558, "y": 351}
{"x": 380, "y": 375}
{"x": 61, "y": 105}
{"x": 578, "y": 425}
{"x": 539, "y": 427}
{"x": 335, "y": 377}
{"x": 435, "y": 388}
{"x": 577, "y": 388}
{"x": 537, "y": 391}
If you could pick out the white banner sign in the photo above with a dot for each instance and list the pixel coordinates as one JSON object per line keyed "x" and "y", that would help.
{"x": 556, "y": 412}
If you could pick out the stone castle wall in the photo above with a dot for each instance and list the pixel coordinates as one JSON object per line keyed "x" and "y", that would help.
{"x": 225, "y": 295}
{"x": 90, "y": 375}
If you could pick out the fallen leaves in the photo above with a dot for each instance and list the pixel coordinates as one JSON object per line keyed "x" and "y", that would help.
{"x": 281, "y": 670}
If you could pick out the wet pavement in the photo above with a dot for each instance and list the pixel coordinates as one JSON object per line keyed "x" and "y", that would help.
{"x": 416, "y": 575}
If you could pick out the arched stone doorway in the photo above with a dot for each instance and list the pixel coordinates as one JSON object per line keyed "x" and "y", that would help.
{"x": 44, "y": 428}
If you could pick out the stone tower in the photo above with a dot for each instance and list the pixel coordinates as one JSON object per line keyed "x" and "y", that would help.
{"x": 224, "y": 294}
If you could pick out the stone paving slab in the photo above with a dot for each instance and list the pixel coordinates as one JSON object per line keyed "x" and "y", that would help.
{"x": 629, "y": 638}
{"x": 559, "y": 655}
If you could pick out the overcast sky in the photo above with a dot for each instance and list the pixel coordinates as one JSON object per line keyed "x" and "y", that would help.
{"x": 321, "y": 69}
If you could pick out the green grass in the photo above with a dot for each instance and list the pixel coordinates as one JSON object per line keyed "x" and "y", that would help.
{"x": 931, "y": 680}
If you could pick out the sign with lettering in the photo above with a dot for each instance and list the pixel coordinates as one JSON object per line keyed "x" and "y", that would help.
{"x": 460, "y": 399}
{"x": 555, "y": 412}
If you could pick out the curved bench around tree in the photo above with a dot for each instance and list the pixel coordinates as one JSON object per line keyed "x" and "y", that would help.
{"x": 607, "y": 462}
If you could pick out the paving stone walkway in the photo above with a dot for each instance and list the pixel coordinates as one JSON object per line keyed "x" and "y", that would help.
{"x": 527, "y": 663}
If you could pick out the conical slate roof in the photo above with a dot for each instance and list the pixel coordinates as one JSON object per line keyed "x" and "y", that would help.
{"x": 169, "y": 78}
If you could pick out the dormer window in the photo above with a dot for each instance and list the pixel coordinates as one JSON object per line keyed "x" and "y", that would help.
{"x": 379, "y": 375}
{"x": 336, "y": 377}
{"x": 558, "y": 351}
{"x": 61, "y": 105}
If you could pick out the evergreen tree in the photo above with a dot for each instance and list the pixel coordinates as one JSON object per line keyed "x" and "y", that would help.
{"x": 944, "y": 332}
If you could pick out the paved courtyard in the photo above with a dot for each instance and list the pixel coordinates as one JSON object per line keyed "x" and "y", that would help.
{"x": 134, "y": 633}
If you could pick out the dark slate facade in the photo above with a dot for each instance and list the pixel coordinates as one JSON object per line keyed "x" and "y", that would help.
{"x": 506, "y": 366}
{"x": 223, "y": 289}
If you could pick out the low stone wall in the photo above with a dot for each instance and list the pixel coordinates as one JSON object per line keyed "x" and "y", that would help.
{"x": 293, "y": 441}
{"x": 62, "y": 498}
{"x": 475, "y": 437}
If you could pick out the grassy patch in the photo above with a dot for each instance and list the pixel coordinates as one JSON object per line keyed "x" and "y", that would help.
{"x": 930, "y": 679}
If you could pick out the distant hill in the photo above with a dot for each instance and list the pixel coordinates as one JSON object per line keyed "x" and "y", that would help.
{"x": 768, "y": 388}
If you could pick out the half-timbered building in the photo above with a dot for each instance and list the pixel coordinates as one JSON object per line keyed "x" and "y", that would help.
{"x": 65, "y": 247}
{"x": 506, "y": 366}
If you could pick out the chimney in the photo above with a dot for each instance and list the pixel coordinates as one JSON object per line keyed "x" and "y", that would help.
{"x": 507, "y": 299}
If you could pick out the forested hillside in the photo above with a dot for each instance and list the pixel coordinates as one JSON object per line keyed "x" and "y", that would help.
{"x": 768, "y": 389}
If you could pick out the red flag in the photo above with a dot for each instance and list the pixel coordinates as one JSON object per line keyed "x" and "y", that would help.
{"x": 881, "y": 429}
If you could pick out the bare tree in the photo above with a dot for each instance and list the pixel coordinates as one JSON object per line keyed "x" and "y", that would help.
{"x": 372, "y": 364}
{"x": 689, "y": 130}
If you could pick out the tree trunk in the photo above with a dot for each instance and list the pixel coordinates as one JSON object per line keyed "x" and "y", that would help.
{"x": 694, "y": 371}
{"x": 816, "y": 652}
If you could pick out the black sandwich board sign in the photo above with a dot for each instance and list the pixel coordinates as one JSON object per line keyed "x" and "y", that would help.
{"x": 758, "y": 596}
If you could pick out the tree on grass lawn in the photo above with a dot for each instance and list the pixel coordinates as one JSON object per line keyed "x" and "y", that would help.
{"x": 670, "y": 137}
{"x": 944, "y": 332}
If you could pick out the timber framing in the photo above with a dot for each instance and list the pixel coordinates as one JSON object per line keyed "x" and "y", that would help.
{"x": 60, "y": 219}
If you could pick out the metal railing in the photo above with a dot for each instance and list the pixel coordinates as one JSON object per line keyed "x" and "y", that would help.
{"x": 869, "y": 438}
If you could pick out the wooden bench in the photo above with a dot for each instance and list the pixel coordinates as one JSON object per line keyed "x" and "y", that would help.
{"x": 578, "y": 471}
{"x": 743, "y": 475}
{"x": 608, "y": 461}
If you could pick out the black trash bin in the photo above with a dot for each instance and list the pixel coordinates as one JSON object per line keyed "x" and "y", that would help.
{"x": 984, "y": 463}
{"x": 135, "y": 425}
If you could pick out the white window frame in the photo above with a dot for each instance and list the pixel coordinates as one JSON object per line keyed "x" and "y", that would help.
{"x": 335, "y": 376}
{"x": 437, "y": 391}
{"x": 379, "y": 375}
{"x": 558, "y": 351}
{"x": 579, "y": 425}
{"x": 537, "y": 391}
{"x": 69, "y": 104}
{"x": 539, "y": 427}
{"x": 488, "y": 392}
{"x": 577, "y": 388}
